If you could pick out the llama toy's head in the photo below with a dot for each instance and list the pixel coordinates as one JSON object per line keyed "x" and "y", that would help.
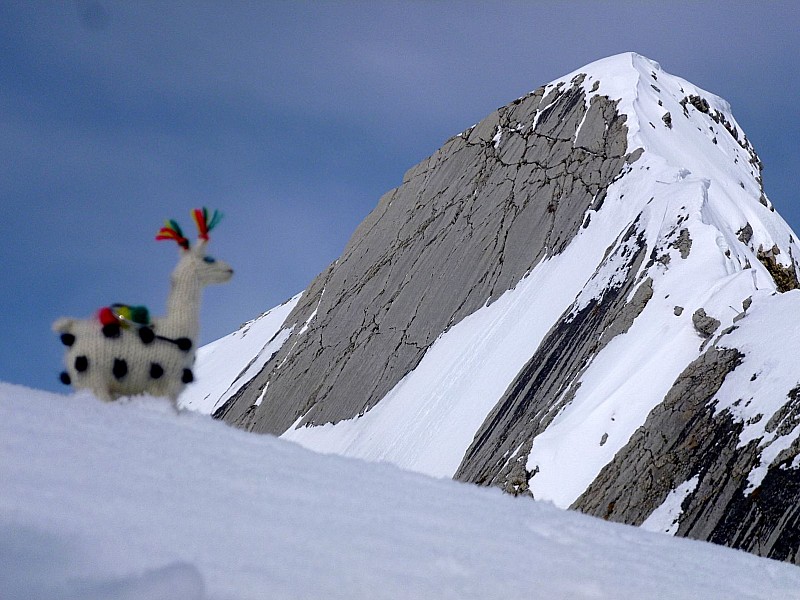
{"x": 205, "y": 269}
{"x": 195, "y": 263}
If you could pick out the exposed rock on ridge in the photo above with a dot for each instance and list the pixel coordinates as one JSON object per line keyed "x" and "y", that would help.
{"x": 785, "y": 276}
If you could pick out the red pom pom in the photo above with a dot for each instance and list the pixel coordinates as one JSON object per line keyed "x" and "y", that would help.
{"x": 107, "y": 316}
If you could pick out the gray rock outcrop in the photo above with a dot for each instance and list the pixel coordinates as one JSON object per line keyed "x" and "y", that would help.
{"x": 785, "y": 276}
{"x": 704, "y": 324}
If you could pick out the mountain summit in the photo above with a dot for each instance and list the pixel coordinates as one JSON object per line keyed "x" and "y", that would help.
{"x": 586, "y": 297}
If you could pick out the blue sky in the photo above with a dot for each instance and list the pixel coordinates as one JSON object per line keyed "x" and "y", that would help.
{"x": 293, "y": 118}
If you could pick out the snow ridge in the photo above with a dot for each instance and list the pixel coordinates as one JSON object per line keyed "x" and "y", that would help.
{"x": 131, "y": 500}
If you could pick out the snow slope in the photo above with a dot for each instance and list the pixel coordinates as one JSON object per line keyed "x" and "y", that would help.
{"x": 132, "y": 500}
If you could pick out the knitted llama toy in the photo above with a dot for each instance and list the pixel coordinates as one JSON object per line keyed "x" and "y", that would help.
{"x": 121, "y": 352}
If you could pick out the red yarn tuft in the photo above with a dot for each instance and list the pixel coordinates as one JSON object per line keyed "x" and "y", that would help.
{"x": 200, "y": 218}
{"x": 107, "y": 316}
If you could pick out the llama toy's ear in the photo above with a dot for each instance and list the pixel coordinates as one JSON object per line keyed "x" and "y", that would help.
{"x": 205, "y": 221}
{"x": 172, "y": 231}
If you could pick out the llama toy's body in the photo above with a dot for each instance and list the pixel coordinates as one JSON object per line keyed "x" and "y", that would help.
{"x": 113, "y": 356}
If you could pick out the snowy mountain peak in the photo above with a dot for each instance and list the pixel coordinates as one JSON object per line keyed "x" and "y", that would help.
{"x": 706, "y": 137}
{"x": 581, "y": 298}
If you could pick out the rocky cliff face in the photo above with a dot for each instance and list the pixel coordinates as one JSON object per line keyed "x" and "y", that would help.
{"x": 586, "y": 297}
{"x": 465, "y": 226}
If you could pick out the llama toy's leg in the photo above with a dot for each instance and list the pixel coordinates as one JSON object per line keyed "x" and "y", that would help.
{"x": 103, "y": 394}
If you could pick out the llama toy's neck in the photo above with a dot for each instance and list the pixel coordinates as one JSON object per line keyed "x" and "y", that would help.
{"x": 194, "y": 272}
{"x": 183, "y": 306}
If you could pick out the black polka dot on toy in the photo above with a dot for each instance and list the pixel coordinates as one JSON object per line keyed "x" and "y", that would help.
{"x": 184, "y": 344}
{"x": 188, "y": 376}
{"x": 81, "y": 363}
{"x": 67, "y": 339}
{"x": 120, "y": 368}
{"x": 156, "y": 370}
{"x": 146, "y": 335}
{"x": 65, "y": 378}
{"x": 111, "y": 330}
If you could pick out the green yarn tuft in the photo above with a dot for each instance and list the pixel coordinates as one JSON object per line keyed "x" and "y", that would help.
{"x": 140, "y": 314}
{"x": 216, "y": 217}
{"x": 174, "y": 224}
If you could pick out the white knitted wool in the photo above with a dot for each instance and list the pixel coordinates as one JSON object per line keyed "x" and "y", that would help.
{"x": 125, "y": 365}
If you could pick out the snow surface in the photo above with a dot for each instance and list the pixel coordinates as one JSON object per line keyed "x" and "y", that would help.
{"x": 135, "y": 501}
{"x": 665, "y": 518}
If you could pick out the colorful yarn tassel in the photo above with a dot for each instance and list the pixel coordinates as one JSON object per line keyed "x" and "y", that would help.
{"x": 205, "y": 222}
{"x": 133, "y": 313}
{"x": 172, "y": 231}
{"x": 124, "y": 314}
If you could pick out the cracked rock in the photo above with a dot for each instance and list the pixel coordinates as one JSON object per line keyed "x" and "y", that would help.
{"x": 785, "y": 277}
{"x": 683, "y": 243}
